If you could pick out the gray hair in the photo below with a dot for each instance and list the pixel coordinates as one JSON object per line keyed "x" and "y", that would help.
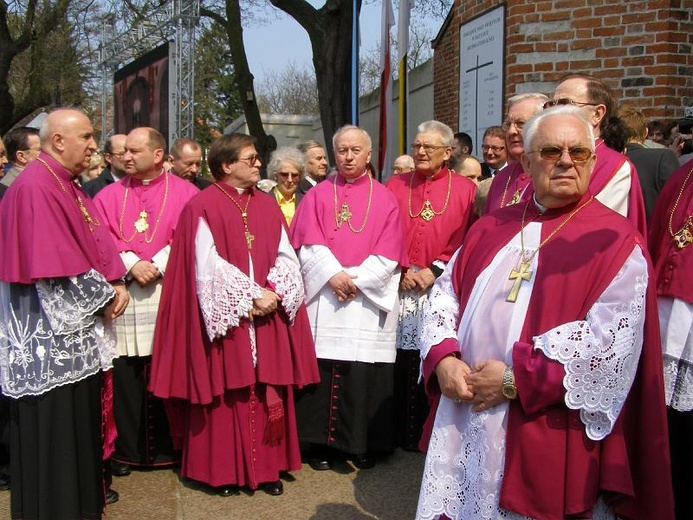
{"x": 309, "y": 145}
{"x": 530, "y": 130}
{"x": 439, "y": 128}
{"x": 285, "y": 154}
{"x": 540, "y": 99}
{"x": 347, "y": 128}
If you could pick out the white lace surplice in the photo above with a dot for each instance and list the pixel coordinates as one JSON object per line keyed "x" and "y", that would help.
{"x": 50, "y": 334}
{"x": 464, "y": 464}
{"x": 676, "y": 323}
{"x": 226, "y": 294}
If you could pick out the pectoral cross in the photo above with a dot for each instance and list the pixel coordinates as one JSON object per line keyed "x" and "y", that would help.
{"x": 248, "y": 237}
{"x": 427, "y": 213}
{"x": 519, "y": 276}
{"x": 683, "y": 238}
{"x": 344, "y": 214}
{"x": 141, "y": 224}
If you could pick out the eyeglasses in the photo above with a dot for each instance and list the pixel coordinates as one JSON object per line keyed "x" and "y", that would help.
{"x": 487, "y": 147}
{"x": 519, "y": 123}
{"x": 250, "y": 160}
{"x": 119, "y": 155}
{"x": 577, "y": 154}
{"x": 428, "y": 148}
{"x": 566, "y": 101}
{"x": 402, "y": 169}
{"x": 286, "y": 175}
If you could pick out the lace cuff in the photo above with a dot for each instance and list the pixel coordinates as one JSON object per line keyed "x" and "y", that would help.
{"x": 600, "y": 355}
{"x": 68, "y": 302}
{"x": 285, "y": 276}
{"x": 225, "y": 297}
{"x": 598, "y": 372}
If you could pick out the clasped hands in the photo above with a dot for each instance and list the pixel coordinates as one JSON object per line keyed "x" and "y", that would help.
{"x": 418, "y": 281}
{"x": 144, "y": 273}
{"x": 343, "y": 286}
{"x": 266, "y": 304}
{"x": 480, "y": 386}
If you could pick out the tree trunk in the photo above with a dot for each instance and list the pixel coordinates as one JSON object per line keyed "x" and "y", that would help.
{"x": 244, "y": 78}
{"x": 330, "y": 33}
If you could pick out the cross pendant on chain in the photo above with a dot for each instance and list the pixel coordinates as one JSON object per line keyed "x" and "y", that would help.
{"x": 249, "y": 240}
{"x": 518, "y": 275}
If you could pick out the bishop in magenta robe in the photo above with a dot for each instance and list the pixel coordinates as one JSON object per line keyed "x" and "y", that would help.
{"x": 555, "y": 410}
{"x": 225, "y": 359}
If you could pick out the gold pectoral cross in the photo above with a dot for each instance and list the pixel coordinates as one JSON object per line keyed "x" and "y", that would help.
{"x": 141, "y": 224}
{"x": 427, "y": 212}
{"x": 519, "y": 276}
{"x": 248, "y": 237}
{"x": 515, "y": 199}
{"x": 683, "y": 238}
{"x": 344, "y": 214}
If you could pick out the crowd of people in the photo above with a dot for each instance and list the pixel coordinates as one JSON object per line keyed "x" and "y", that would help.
{"x": 524, "y": 320}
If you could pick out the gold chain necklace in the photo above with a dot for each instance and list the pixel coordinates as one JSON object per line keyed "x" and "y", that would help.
{"x": 141, "y": 224}
{"x": 244, "y": 215}
{"x": 80, "y": 203}
{"x": 344, "y": 214}
{"x": 683, "y": 237}
{"x": 523, "y": 274}
{"x": 427, "y": 212}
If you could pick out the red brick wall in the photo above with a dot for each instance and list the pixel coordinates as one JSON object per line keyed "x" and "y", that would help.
{"x": 642, "y": 48}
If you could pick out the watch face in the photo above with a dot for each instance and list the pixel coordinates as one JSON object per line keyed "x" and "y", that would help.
{"x": 509, "y": 392}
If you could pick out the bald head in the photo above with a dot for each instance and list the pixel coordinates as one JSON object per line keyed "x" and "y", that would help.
{"x": 144, "y": 154}
{"x": 68, "y": 137}
{"x": 403, "y": 164}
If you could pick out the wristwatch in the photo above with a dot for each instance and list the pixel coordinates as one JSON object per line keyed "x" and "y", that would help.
{"x": 508, "y": 388}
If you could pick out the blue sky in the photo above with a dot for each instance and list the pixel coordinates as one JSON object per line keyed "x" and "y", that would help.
{"x": 282, "y": 40}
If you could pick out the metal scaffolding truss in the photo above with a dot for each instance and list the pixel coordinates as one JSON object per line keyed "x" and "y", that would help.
{"x": 125, "y": 38}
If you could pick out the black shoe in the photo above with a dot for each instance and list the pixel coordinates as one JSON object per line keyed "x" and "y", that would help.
{"x": 118, "y": 469}
{"x": 273, "y": 488}
{"x": 5, "y": 482}
{"x": 227, "y": 491}
{"x": 112, "y": 496}
{"x": 363, "y": 461}
{"x": 320, "y": 464}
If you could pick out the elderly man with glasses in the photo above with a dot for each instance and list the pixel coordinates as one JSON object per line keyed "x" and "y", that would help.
{"x": 509, "y": 185}
{"x": 555, "y": 407}
{"x": 437, "y": 207}
{"x": 614, "y": 181}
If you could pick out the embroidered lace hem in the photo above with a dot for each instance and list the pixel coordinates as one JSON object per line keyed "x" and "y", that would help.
{"x": 678, "y": 383}
{"x": 35, "y": 356}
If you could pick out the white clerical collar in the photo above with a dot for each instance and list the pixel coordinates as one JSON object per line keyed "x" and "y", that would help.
{"x": 145, "y": 182}
{"x": 351, "y": 181}
{"x": 542, "y": 209}
{"x": 311, "y": 180}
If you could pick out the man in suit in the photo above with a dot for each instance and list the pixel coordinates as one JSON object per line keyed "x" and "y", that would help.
{"x": 494, "y": 152}
{"x": 653, "y": 165}
{"x": 316, "y": 165}
{"x": 114, "y": 170}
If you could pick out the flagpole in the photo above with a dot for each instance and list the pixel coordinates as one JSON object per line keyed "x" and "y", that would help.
{"x": 404, "y": 15}
{"x": 355, "y": 65}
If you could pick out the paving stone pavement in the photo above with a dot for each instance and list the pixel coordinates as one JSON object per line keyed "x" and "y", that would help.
{"x": 387, "y": 492}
